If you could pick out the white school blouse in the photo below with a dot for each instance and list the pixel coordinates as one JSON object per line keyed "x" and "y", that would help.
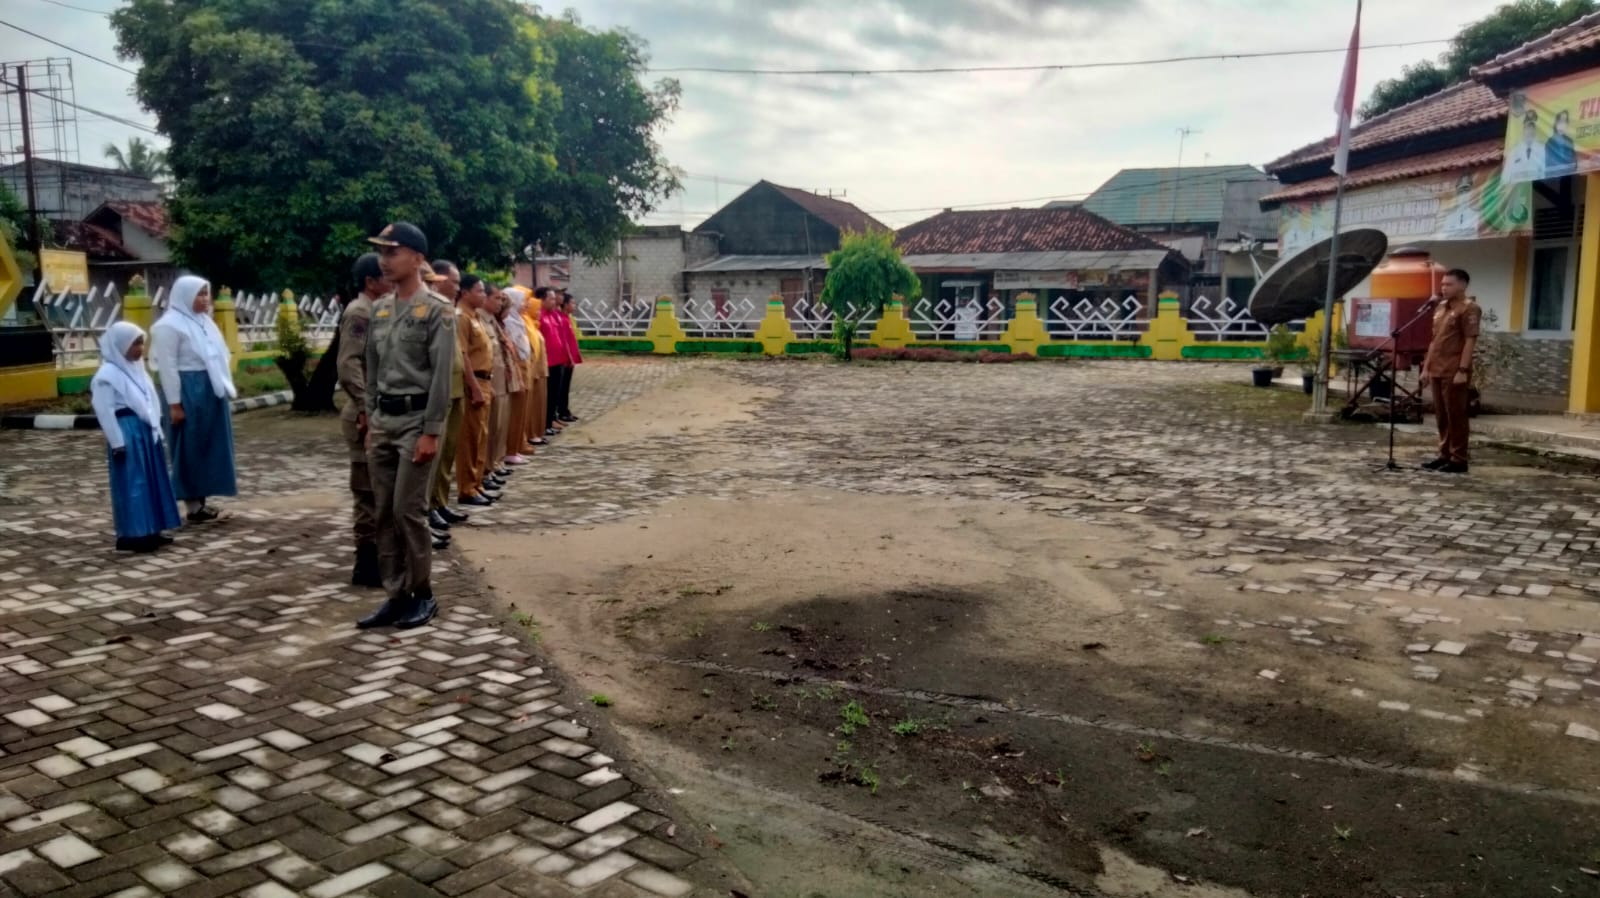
{"x": 174, "y": 355}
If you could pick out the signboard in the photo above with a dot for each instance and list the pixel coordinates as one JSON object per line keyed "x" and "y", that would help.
{"x": 1553, "y": 129}
{"x": 65, "y": 271}
{"x": 1462, "y": 205}
{"x": 1070, "y": 280}
{"x": 1372, "y": 320}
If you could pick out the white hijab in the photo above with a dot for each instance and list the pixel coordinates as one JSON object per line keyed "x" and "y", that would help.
{"x": 516, "y": 326}
{"x": 204, "y": 337}
{"x": 127, "y": 381}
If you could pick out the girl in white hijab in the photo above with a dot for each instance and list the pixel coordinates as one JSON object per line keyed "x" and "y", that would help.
{"x": 129, "y": 409}
{"x": 196, "y": 371}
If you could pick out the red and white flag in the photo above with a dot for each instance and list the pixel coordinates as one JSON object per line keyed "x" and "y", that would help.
{"x": 1345, "y": 103}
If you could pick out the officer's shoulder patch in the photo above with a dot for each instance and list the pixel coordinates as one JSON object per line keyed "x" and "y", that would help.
{"x": 420, "y": 310}
{"x": 358, "y": 328}
{"x": 382, "y": 312}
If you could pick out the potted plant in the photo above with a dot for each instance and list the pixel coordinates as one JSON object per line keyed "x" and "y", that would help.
{"x": 1280, "y": 348}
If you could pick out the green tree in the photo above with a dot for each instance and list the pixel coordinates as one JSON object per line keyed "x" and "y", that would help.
{"x": 1508, "y": 27}
{"x": 606, "y": 167}
{"x": 141, "y": 158}
{"x": 299, "y": 127}
{"x": 864, "y": 274}
{"x": 14, "y": 230}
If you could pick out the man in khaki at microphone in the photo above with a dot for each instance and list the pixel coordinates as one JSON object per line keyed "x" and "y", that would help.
{"x": 1447, "y": 368}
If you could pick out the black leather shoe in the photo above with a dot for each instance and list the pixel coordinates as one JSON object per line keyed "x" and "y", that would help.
{"x": 422, "y": 610}
{"x": 1435, "y": 465}
{"x": 502, "y": 473}
{"x": 387, "y": 614}
{"x": 477, "y": 500}
{"x": 452, "y": 516}
{"x": 569, "y": 418}
{"x": 437, "y": 521}
{"x": 440, "y": 535}
{"x": 439, "y": 545}
{"x": 1455, "y": 467}
{"x": 551, "y": 431}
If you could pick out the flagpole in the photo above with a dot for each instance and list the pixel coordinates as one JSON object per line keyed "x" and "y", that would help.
{"x": 1319, "y": 394}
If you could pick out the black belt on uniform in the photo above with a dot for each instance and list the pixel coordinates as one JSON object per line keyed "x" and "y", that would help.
{"x": 483, "y": 375}
{"x": 127, "y": 413}
{"x": 400, "y": 405}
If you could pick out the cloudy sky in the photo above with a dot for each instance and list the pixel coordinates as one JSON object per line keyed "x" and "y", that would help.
{"x": 902, "y": 146}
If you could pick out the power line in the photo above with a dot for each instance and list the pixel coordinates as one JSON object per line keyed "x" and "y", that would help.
{"x": 1047, "y": 67}
{"x": 69, "y": 49}
{"x": 81, "y": 108}
{"x": 98, "y": 12}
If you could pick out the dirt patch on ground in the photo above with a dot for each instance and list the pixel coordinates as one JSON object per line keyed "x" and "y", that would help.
{"x": 698, "y": 401}
{"x": 976, "y": 675}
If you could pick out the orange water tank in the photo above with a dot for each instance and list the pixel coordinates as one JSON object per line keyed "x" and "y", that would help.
{"x": 1401, "y": 285}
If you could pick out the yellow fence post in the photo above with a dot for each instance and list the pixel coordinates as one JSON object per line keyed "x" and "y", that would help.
{"x": 775, "y": 333}
{"x": 136, "y": 305}
{"x": 665, "y": 331}
{"x": 1026, "y": 331}
{"x": 1169, "y": 333}
{"x": 894, "y": 328}
{"x": 226, "y": 317}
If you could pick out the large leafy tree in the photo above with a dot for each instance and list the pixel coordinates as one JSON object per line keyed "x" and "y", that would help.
{"x": 1507, "y": 28}
{"x": 140, "y": 158}
{"x": 299, "y": 127}
{"x": 607, "y": 168}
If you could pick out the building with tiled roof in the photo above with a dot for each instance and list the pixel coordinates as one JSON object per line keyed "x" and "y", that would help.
{"x": 1435, "y": 174}
{"x": 966, "y": 256}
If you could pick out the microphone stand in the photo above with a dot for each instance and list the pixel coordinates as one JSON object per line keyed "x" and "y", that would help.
{"x": 1394, "y": 370}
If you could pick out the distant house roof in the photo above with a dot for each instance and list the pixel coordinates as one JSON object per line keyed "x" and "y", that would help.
{"x": 758, "y": 263}
{"x": 149, "y": 216}
{"x": 1019, "y": 231}
{"x": 1241, "y": 211}
{"x": 1158, "y": 196}
{"x": 1063, "y": 204}
{"x": 1462, "y": 105}
{"x": 98, "y": 243}
{"x": 1572, "y": 42}
{"x": 1473, "y": 155}
{"x": 1069, "y": 260}
{"x": 837, "y": 212}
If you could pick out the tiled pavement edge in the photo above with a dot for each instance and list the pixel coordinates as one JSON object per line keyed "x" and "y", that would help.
{"x": 207, "y": 722}
{"x": 90, "y": 422}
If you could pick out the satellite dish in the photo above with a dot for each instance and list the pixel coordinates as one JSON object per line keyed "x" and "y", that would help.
{"x": 1296, "y": 287}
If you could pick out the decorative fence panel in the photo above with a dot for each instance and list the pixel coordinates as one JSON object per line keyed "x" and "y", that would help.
{"x": 1224, "y": 320}
{"x": 812, "y": 320}
{"x": 1097, "y": 318}
{"x": 615, "y": 318}
{"x": 945, "y": 319}
{"x": 710, "y": 319}
{"x": 76, "y": 322}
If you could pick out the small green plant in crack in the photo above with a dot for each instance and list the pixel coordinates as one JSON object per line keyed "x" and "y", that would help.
{"x": 854, "y": 716}
{"x": 761, "y": 626}
{"x": 528, "y": 624}
{"x": 600, "y": 700}
{"x": 903, "y": 781}
{"x": 1146, "y": 752}
{"x": 869, "y": 778}
{"x": 763, "y": 702}
{"x": 727, "y": 744}
{"x": 706, "y": 692}
{"x": 1164, "y": 768}
{"x": 909, "y": 727}
{"x": 1214, "y": 639}
{"x": 1343, "y": 833}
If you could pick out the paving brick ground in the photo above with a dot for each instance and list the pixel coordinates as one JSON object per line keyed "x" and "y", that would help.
{"x": 207, "y": 721}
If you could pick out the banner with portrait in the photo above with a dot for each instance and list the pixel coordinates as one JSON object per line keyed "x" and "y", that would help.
{"x": 1553, "y": 129}
{"x": 1472, "y": 204}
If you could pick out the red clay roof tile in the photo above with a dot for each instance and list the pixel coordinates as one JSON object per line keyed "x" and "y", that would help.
{"x": 1019, "y": 231}
{"x": 1581, "y": 36}
{"x": 1472, "y": 155}
{"x": 1467, "y": 103}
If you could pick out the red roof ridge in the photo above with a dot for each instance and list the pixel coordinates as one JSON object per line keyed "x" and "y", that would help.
{"x": 833, "y": 210}
{"x": 1020, "y": 230}
{"x": 1472, "y": 91}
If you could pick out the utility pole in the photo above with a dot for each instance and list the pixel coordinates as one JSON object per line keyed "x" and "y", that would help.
{"x": 34, "y": 239}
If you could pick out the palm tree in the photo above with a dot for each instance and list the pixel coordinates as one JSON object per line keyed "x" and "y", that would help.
{"x": 140, "y": 159}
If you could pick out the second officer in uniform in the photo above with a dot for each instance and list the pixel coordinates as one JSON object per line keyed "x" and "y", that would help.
{"x": 410, "y": 350}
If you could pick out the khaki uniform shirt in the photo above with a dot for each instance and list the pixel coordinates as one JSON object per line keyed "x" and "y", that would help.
{"x": 458, "y": 368}
{"x": 497, "y": 356}
{"x": 478, "y": 349}
{"x": 353, "y": 327}
{"x": 1453, "y": 325}
{"x": 409, "y": 350}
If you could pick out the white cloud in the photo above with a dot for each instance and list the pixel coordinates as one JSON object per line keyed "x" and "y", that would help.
{"x": 931, "y": 141}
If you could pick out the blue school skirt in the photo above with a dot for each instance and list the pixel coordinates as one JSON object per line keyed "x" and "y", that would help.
{"x": 142, "y": 503}
{"x": 202, "y": 447}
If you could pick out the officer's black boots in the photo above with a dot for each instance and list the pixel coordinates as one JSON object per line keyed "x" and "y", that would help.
{"x": 366, "y": 572}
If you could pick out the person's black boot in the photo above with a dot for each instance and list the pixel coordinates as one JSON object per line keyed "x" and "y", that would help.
{"x": 422, "y": 610}
{"x": 451, "y": 516}
{"x": 436, "y": 520}
{"x": 391, "y": 611}
{"x": 366, "y": 572}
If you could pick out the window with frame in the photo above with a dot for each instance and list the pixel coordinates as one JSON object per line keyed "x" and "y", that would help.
{"x": 1547, "y": 300}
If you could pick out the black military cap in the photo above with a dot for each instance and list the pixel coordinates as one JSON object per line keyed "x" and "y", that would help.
{"x": 402, "y": 233}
